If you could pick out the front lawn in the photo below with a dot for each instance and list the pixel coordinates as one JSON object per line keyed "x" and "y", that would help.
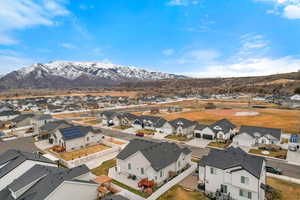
{"x": 146, "y": 132}
{"x": 103, "y": 169}
{"x": 275, "y": 153}
{"x": 178, "y": 193}
{"x": 178, "y": 138}
{"x": 286, "y": 190}
{"x": 221, "y": 145}
{"x": 126, "y": 187}
{"x": 122, "y": 127}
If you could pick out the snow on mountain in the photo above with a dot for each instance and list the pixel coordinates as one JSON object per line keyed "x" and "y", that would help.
{"x": 73, "y": 70}
{"x": 63, "y": 74}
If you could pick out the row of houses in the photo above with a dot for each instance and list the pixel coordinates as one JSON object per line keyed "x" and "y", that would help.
{"x": 219, "y": 130}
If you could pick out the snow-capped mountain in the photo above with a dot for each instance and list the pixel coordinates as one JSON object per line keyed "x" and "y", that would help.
{"x": 62, "y": 74}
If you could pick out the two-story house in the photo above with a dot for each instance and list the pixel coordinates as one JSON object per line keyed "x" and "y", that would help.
{"x": 183, "y": 127}
{"x": 252, "y": 136}
{"x": 158, "y": 124}
{"x": 233, "y": 173}
{"x": 223, "y": 129}
{"x": 76, "y": 137}
{"x": 152, "y": 160}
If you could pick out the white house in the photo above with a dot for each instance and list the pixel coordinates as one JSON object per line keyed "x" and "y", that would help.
{"x": 295, "y": 97}
{"x": 158, "y": 124}
{"x": 233, "y": 173}
{"x": 252, "y": 136}
{"x": 76, "y": 137}
{"x": 13, "y": 163}
{"x": 183, "y": 127}
{"x": 152, "y": 160}
{"x": 52, "y": 183}
{"x": 203, "y": 131}
{"x": 223, "y": 129}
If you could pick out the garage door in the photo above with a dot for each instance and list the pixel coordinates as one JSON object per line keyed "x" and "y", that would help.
{"x": 208, "y": 137}
{"x": 198, "y": 135}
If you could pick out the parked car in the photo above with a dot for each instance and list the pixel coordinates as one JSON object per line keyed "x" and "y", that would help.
{"x": 273, "y": 170}
{"x": 140, "y": 134}
{"x": 293, "y": 148}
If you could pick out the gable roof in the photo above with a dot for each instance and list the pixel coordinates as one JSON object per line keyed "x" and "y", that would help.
{"x": 200, "y": 126}
{"x": 14, "y": 158}
{"x": 50, "y": 126}
{"x": 263, "y": 131}
{"x": 156, "y": 121}
{"x": 224, "y": 124}
{"x": 48, "y": 179}
{"x": 233, "y": 157}
{"x": 77, "y": 132}
{"x": 22, "y": 117}
{"x": 159, "y": 154}
{"x": 184, "y": 123}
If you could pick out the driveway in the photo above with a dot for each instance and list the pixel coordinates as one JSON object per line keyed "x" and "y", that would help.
{"x": 190, "y": 182}
{"x": 198, "y": 142}
{"x": 293, "y": 157}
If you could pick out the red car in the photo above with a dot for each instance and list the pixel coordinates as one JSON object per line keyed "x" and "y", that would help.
{"x": 140, "y": 134}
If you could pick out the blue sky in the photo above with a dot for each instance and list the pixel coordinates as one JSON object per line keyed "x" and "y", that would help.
{"x": 201, "y": 38}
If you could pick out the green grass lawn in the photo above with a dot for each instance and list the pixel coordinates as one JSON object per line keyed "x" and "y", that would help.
{"x": 219, "y": 144}
{"x": 178, "y": 138}
{"x": 103, "y": 169}
{"x": 178, "y": 193}
{"x": 146, "y": 132}
{"x": 130, "y": 189}
{"x": 276, "y": 154}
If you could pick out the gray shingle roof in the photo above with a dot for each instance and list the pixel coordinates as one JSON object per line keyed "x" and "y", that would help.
{"x": 160, "y": 155}
{"x": 224, "y": 124}
{"x": 233, "y": 157}
{"x": 50, "y": 126}
{"x": 22, "y": 117}
{"x": 156, "y": 121}
{"x": 14, "y": 158}
{"x": 49, "y": 179}
{"x": 77, "y": 131}
{"x": 185, "y": 123}
{"x": 115, "y": 197}
{"x": 253, "y": 130}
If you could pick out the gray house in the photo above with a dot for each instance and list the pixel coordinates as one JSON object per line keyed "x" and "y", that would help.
{"x": 158, "y": 124}
{"x": 52, "y": 183}
{"x": 252, "y": 136}
{"x": 23, "y": 120}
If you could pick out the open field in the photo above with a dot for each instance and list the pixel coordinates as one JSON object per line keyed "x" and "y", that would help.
{"x": 287, "y": 190}
{"x": 69, "y": 115}
{"x": 288, "y": 120}
{"x": 82, "y": 152}
{"x": 177, "y": 192}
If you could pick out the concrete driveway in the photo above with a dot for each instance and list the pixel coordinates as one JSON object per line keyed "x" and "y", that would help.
{"x": 198, "y": 142}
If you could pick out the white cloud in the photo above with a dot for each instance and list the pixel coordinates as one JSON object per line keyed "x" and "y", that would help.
{"x": 11, "y": 60}
{"x": 67, "y": 45}
{"x": 182, "y": 2}
{"x": 292, "y": 12}
{"x": 198, "y": 56}
{"x": 250, "y": 67}
{"x": 22, "y": 14}
{"x": 168, "y": 52}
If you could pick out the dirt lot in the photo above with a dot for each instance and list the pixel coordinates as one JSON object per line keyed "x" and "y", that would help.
{"x": 178, "y": 193}
{"x": 288, "y": 120}
{"x": 83, "y": 152}
{"x": 287, "y": 190}
{"x": 114, "y": 141}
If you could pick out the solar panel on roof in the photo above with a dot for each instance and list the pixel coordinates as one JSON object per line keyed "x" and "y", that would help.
{"x": 71, "y": 133}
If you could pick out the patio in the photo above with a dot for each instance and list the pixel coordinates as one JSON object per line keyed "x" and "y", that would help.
{"x": 123, "y": 178}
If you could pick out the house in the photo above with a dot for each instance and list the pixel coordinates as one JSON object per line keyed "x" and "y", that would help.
{"x": 233, "y": 173}
{"x": 51, "y": 183}
{"x": 158, "y": 124}
{"x": 23, "y": 120}
{"x": 252, "y": 135}
{"x": 76, "y": 137}
{"x": 8, "y": 115}
{"x": 152, "y": 160}
{"x": 183, "y": 127}
{"x": 223, "y": 129}
{"x": 295, "y": 97}
{"x": 41, "y": 120}
{"x": 51, "y": 127}
{"x": 110, "y": 118}
{"x": 204, "y": 131}
{"x": 6, "y": 107}
{"x": 13, "y": 163}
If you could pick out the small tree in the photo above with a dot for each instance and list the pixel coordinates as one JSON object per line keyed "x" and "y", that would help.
{"x": 297, "y": 91}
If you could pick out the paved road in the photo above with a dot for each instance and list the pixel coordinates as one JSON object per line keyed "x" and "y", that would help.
{"x": 288, "y": 169}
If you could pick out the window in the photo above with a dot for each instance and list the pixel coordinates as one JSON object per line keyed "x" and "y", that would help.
{"x": 213, "y": 170}
{"x": 142, "y": 170}
{"x": 244, "y": 180}
{"x": 87, "y": 138}
{"x": 244, "y": 193}
{"x": 129, "y": 166}
{"x": 224, "y": 188}
{"x": 178, "y": 163}
{"x": 161, "y": 173}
